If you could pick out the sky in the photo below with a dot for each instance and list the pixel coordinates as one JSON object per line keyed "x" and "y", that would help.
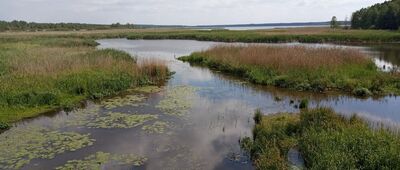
{"x": 182, "y": 12}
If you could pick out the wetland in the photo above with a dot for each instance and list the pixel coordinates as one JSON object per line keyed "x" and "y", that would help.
{"x": 194, "y": 121}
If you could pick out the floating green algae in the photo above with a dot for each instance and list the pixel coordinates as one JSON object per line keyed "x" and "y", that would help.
{"x": 156, "y": 127}
{"x": 177, "y": 101}
{"x": 92, "y": 118}
{"x": 128, "y": 100}
{"x": 120, "y": 120}
{"x": 181, "y": 156}
{"x": 18, "y": 146}
{"x": 147, "y": 89}
{"x": 82, "y": 117}
{"x": 101, "y": 160}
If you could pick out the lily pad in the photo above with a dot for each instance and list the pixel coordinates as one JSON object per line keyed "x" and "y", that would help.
{"x": 100, "y": 160}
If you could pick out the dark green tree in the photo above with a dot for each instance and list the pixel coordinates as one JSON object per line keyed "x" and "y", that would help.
{"x": 334, "y": 23}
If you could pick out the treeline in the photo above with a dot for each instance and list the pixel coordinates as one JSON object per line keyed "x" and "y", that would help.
{"x": 380, "y": 16}
{"x": 32, "y": 26}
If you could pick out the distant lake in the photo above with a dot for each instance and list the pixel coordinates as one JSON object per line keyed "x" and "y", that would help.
{"x": 260, "y": 27}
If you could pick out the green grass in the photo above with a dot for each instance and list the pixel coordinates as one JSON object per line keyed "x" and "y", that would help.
{"x": 300, "y": 68}
{"x": 304, "y": 35}
{"x": 41, "y": 74}
{"x": 325, "y": 140}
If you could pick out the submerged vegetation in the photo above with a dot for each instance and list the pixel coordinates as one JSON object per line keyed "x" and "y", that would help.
{"x": 39, "y": 74}
{"x": 300, "y": 68}
{"x": 177, "y": 101}
{"x": 325, "y": 140}
{"x": 101, "y": 160}
{"x": 19, "y": 146}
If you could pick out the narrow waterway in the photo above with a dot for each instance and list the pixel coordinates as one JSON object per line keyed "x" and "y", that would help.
{"x": 194, "y": 122}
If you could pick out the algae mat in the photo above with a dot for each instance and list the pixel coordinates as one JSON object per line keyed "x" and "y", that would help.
{"x": 19, "y": 146}
{"x": 102, "y": 160}
{"x": 177, "y": 101}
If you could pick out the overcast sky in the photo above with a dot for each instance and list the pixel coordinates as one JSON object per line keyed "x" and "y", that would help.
{"x": 188, "y": 12}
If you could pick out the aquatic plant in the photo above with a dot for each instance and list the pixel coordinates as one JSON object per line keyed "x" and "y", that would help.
{"x": 156, "y": 127}
{"x": 4, "y": 126}
{"x": 303, "y": 104}
{"x": 147, "y": 89}
{"x": 177, "y": 100}
{"x": 119, "y": 120}
{"x": 100, "y": 160}
{"x": 363, "y": 92}
{"x": 258, "y": 116}
{"x": 18, "y": 146}
{"x": 128, "y": 100}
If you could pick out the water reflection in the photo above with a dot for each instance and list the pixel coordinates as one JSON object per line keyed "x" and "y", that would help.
{"x": 222, "y": 110}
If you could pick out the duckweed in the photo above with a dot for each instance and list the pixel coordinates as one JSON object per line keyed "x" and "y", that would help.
{"x": 100, "y": 160}
{"x": 20, "y": 145}
{"x": 156, "y": 127}
{"x": 128, "y": 100}
{"x": 120, "y": 120}
{"x": 178, "y": 100}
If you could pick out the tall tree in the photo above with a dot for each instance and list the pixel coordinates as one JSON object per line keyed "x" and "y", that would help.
{"x": 334, "y": 22}
{"x": 379, "y": 16}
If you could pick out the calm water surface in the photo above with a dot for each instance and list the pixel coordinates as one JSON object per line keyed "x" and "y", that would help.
{"x": 221, "y": 112}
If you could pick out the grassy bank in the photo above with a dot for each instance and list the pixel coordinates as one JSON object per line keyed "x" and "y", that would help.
{"x": 305, "y": 35}
{"x": 301, "y": 68}
{"x": 325, "y": 140}
{"x": 39, "y": 74}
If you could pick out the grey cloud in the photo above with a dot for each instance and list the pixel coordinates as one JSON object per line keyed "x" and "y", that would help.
{"x": 190, "y": 12}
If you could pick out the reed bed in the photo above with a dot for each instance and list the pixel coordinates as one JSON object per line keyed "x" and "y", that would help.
{"x": 300, "y": 68}
{"x": 284, "y": 59}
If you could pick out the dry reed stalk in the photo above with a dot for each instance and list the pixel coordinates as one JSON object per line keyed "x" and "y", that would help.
{"x": 286, "y": 58}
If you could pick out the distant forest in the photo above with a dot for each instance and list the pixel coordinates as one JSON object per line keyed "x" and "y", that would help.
{"x": 32, "y": 26}
{"x": 380, "y": 16}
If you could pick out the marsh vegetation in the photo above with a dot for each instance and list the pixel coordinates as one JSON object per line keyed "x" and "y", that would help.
{"x": 148, "y": 123}
{"x": 301, "y": 68}
{"x": 325, "y": 139}
{"x": 42, "y": 74}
